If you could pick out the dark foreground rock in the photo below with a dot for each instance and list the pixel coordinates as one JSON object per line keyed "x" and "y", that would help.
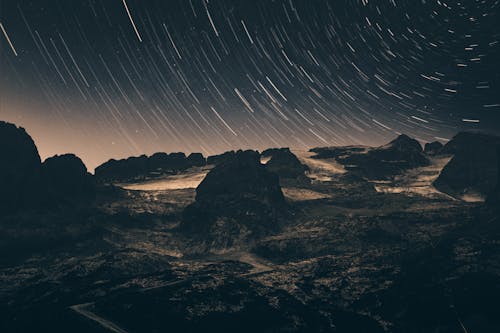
{"x": 27, "y": 185}
{"x": 68, "y": 181}
{"x": 473, "y": 171}
{"x": 20, "y": 168}
{"x": 284, "y": 163}
{"x": 238, "y": 197}
{"x": 383, "y": 162}
{"x": 493, "y": 200}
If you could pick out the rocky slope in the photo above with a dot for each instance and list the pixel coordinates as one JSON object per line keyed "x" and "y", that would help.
{"x": 472, "y": 172}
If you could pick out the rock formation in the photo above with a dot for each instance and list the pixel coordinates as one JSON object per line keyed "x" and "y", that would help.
{"x": 68, "y": 182}
{"x": 284, "y": 163}
{"x": 472, "y": 173}
{"x": 433, "y": 148}
{"x": 383, "y": 162}
{"x": 20, "y": 168}
{"x": 196, "y": 160}
{"x": 143, "y": 166}
{"x": 237, "y": 198}
{"x": 27, "y": 184}
{"x": 221, "y": 158}
{"x": 468, "y": 141}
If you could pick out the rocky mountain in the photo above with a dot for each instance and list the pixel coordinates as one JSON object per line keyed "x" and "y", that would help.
{"x": 20, "y": 170}
{"x": 383, "y": 162}
{"x": 239, "y": 198}
{"x": 284, "y": 163}
{"x": 433, "y": 148}
{"x": 144, "y": 166}
{"x": 27, "y": 184}
{"x": 472, "y": 172}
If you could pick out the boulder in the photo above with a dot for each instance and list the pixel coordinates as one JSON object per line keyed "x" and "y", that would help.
{"x": 68, "y": 182}
{"x": 177, "y": 162}
{"x": 433, "y": 148}
{"x": 237, "y": 198}
{"x": 118, "y": 170}
{"x": 468, "y": 141}
{"x": 20, "y": 170}
{"x": 472, "y": 173}
{"x": 284, "y": 163}
{"x": 196, "y": 160}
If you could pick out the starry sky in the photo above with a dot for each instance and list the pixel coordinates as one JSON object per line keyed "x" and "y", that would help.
{"x": 114, "y": 78}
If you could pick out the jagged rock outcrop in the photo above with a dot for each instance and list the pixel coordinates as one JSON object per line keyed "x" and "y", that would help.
{"x": 284, "y": 163}
{"x": 68, "y": 182}
{"x": 466, "y": 141}
{"x": 122, "y": 169}
{"x": 221, "y": 158}
{"x": 472, "y": 173}
{"x": 20, "y": 167}
{"x": 143, "y": 166}
{"x": 237, "y": 199}
{"x": 383, "y": 162}
{"x": 27, "y": 184}
{"x": 433, "y": 148}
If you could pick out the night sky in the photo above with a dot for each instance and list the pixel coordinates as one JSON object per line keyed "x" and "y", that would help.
{"x": 114, "y": 78}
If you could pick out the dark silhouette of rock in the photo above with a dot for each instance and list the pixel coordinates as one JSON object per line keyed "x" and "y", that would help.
{"x": 27, "y": 184}
{"x": 334, "y": 152}
{"x": 143, "y": 166}
{"x": 217, "y": 159}
{"x": 68, "y": 182}
{"x": 20, "y": 167}
{"x": 473, "y": 170}
{"x": 177, "y": 161}
{"x": 493, "y": 199}
{"x": 467, "y": 141}
{"x": 158, "y": 161}
{"x": 284, "y": 163}
{"x": 196, "y": 160}
{"x": 122, "y": 169}
{"x": 433, "y": 148}
{"x": 237, "y": 198}
{"x": 494, "y": 196}
{"x": 383, "y": 162}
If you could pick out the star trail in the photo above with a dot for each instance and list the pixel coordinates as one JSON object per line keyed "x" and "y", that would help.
{"x": 108, "y": 79}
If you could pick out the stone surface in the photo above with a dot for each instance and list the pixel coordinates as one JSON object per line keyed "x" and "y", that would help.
{"x": 284, "y": 163}
{"x": 68, "y": 181}
{"x": 383, "y": 162}
{"x": 472, "y": 172}
{"x": 433, "y": 148}
{"x": 239, "y": 195}
{"x": 20, "y": 167}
